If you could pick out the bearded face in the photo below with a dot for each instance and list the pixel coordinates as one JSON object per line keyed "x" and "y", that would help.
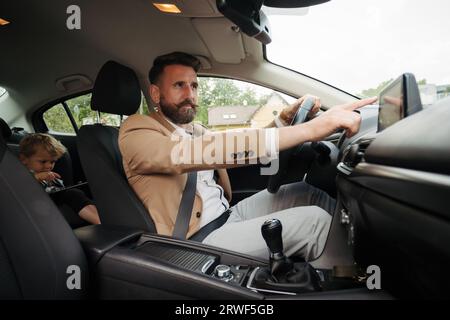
{"x": 176, "y": 93}
{"x": 179, "y": 113}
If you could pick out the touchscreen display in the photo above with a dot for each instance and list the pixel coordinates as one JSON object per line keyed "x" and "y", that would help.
{"x": 391, "y": 105}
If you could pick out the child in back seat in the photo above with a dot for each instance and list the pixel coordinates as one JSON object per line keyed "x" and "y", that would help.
{"x": 39, "y": 152}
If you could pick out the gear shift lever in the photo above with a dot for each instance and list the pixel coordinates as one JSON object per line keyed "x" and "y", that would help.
{"x": 271, "y": 232}
{"x": 283, "y": 275}
{"x": 279, "y": 263}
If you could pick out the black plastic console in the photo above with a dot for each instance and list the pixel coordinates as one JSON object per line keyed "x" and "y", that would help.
{"x": 130, "y": 264}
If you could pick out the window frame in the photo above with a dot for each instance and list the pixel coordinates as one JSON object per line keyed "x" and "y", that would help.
{"x": 37, "y": 119}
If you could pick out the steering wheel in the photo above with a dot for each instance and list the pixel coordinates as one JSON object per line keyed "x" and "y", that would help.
{"x": 275, "y": 180}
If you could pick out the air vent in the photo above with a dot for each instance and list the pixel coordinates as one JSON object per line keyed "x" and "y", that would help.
{"x": 352, "y": 155}
{"x": 363, "y": 145}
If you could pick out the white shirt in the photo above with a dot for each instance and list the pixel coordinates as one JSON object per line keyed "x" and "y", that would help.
{"x": 212, "y": 194}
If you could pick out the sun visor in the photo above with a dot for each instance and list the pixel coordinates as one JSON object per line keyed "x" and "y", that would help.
{"x": 222, "y": 37}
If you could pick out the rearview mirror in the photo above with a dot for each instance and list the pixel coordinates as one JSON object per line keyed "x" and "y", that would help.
{"x": 247, "y": 15}
{"x": 292, "y": 3}
{"x": 251, "y": 20}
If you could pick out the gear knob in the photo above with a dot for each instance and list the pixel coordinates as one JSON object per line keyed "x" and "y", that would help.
{"x": 271, "y": 232}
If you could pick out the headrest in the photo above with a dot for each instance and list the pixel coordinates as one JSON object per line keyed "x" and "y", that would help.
{"x": 5, "y": 130}
{"x": 116, "y": 90}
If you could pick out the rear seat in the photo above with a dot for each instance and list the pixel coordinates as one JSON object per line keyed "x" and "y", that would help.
{"x": 63, "y": 166}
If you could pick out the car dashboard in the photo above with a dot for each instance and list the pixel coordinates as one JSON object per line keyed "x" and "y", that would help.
{"x": 393, "y": 188}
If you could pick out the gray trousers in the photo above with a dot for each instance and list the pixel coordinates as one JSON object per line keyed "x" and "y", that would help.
{"x": 304, "y": 212}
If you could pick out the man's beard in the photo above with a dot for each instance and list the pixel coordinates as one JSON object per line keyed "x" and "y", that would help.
{"x": 176, "y": 113}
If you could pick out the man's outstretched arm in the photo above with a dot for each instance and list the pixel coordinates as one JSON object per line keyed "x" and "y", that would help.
{"x": 338, "y": 117}
{"x": 148, "y": 151}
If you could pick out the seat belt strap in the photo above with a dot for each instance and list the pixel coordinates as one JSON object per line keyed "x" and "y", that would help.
{"x": 201, "y": 234}
{"x": 185, "y": 210}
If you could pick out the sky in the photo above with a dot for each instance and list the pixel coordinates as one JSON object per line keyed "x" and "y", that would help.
{"x": 357, "y": 44}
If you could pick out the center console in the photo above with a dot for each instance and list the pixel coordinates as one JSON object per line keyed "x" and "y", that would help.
{"x": 130, "y": 264}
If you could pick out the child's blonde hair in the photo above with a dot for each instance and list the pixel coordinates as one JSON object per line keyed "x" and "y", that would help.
{"x": 29, "y": 144}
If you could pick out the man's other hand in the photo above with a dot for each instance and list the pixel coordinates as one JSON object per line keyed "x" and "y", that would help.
{"x": 288, "y": 113}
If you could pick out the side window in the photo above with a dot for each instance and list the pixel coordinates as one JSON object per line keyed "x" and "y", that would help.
{"x": 229, "y": 104}
{"x": 58, "y": 117}
{"x": 57, "y": 120}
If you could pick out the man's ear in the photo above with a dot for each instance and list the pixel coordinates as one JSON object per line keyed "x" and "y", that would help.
{"x": 154, "y": 93}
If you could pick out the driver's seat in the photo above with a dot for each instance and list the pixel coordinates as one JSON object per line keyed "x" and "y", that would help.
{"x": 116, "y": 91}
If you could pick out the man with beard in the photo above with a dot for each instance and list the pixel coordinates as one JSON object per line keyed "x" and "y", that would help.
{"x": 147, "y": 145}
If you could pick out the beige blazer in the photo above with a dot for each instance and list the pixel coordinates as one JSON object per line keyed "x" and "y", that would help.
{"x": 147, "y": 145}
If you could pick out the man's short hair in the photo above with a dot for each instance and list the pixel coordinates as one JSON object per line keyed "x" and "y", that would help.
{"x": 173, "y": 58}
{"x": 30, "y": 143}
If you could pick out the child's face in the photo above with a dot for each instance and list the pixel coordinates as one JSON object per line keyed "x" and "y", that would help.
{"x": 40, "y": 161}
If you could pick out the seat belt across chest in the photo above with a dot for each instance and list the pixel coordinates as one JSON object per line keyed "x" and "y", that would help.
{"x": 185, "y": 210}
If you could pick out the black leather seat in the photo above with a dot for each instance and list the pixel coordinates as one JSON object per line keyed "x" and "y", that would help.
{"x": 116, "y": 91}
{"x": 37, "y": 246}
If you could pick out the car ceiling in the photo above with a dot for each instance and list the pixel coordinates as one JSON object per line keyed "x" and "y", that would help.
{"x": 38, "y": 49}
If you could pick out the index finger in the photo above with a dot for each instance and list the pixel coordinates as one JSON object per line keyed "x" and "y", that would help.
{"x": 359, "y": 104}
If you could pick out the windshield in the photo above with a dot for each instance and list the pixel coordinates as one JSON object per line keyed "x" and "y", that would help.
{"x": 359, "y": 46}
